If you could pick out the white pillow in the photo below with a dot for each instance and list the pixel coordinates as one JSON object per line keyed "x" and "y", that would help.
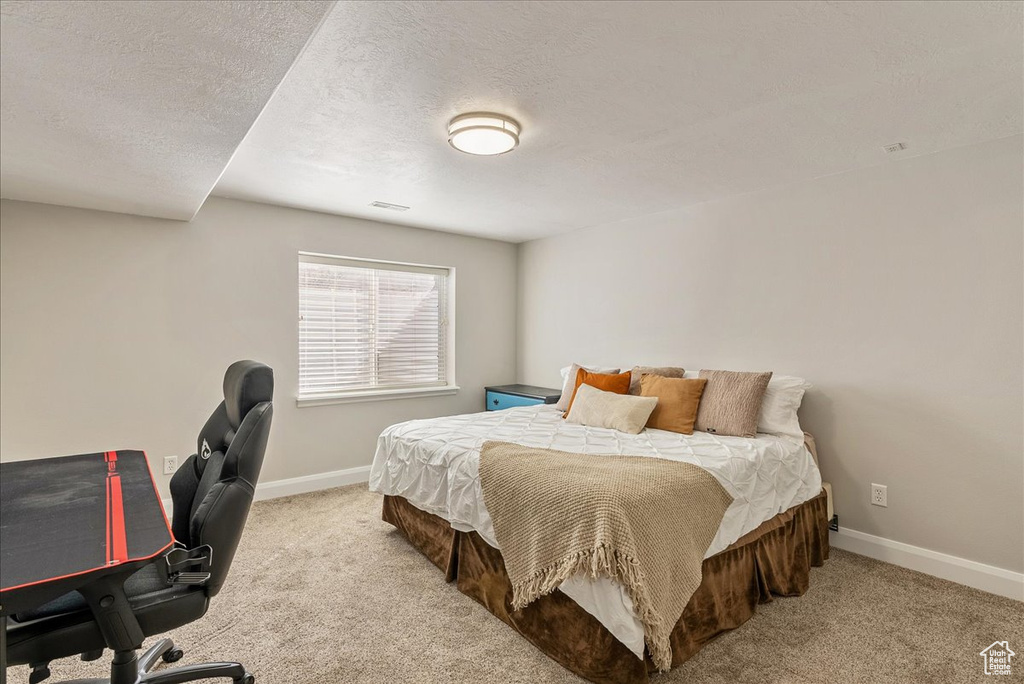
{"x": 623, "y": 412}
{"x": 569, "y": 382}
{"x": 779, "y": 406}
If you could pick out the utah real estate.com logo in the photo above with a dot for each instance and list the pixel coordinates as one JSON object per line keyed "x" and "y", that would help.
{"x": 997, "y": 658}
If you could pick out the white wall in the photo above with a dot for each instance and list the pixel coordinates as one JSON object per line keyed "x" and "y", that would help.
{"x": 896, "y": 290}
{"x": 115, "y": 330}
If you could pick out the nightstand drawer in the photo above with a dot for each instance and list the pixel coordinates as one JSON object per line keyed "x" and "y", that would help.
{"x": 497, "y": 401}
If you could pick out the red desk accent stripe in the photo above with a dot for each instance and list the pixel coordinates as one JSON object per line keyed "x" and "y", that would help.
{"x": 117, "y": 542}
{"x": 107, "y": 543}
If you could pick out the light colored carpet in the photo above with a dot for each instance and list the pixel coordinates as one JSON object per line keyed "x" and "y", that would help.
{"x": 322, "y": 592}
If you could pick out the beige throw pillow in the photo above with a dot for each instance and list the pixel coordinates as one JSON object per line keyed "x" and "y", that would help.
{"x": 640, "y": 371}
{"x": 622, "y": 412}
{"x": 731, "y": 402}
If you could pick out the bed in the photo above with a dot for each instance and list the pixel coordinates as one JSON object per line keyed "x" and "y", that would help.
{"x": 775, "y": 529}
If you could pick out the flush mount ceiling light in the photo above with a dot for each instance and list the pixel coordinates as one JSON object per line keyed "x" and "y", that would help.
{"x": 483, "y": 133}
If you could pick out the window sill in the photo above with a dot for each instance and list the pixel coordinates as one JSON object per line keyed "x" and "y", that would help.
{"x": 376, "y": 395}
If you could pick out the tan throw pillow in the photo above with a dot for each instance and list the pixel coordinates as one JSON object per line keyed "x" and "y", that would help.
{"x": 639, "y": 371}
{"x": 731, "y": 402}
{"x": 678, "y": 400}
{"x": 622, "y": 412}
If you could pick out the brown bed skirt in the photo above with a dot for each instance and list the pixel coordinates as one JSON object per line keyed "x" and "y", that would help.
{"x": 774, "y": 559}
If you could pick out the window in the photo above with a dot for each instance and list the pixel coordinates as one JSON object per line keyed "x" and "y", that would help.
{"x": 372, "y": 329}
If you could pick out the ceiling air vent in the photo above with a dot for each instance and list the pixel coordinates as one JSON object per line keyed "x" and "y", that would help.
{"x": 389, "y": 205}
{"x": 895, "y": 147}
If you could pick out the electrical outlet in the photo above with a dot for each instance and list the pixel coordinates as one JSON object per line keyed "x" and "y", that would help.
{"x": 170, "y": 464}
{"x": 878, "y": 495}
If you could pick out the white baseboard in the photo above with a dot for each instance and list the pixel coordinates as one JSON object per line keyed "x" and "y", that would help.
{"x": 960, "y": 570}
{"x": 312, "y": 483}
{"x": 307, "y": 483}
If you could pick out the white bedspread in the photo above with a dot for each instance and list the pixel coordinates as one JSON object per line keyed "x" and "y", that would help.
{"x": 433, "y": 464}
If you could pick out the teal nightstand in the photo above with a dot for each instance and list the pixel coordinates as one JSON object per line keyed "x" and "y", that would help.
{"x": 506, "y": 396}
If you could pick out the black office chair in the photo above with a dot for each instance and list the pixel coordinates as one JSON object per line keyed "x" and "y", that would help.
{"x": 212, "y": 492}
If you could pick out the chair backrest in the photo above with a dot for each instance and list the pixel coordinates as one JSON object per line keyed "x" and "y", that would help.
{"x": 213, "y": 490}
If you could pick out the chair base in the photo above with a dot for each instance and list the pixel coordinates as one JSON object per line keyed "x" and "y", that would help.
{"x": 127, "y": 668}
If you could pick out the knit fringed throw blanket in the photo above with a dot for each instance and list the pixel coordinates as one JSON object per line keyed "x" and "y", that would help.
{"x": 645, "y": 523}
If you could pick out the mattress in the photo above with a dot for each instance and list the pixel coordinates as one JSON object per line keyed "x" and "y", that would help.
{"x": 433, "y": 464}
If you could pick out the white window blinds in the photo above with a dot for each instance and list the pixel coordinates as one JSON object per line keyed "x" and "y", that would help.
{"x": 367, "y": 325}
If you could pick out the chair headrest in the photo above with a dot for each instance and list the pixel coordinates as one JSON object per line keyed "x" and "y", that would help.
{"x": 246, "y": 383}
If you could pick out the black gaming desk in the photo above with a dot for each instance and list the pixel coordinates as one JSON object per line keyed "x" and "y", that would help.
{"x": 77, "y": 523}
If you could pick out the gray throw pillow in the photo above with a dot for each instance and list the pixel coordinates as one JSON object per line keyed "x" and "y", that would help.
{"x": 639, "y": 371}
{"x": 731, "y": 402}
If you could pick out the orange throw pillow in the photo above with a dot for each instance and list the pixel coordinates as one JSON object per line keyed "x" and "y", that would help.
{"x": 617, "y": 383}
{"x": 678, "y": 399}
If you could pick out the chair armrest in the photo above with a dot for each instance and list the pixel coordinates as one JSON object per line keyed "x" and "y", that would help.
{"x": 187, "y": 566}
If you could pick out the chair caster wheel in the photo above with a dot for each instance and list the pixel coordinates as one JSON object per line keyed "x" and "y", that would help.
{"x": 38, "y": 674}
{"x": 173, "y": 655}
{"x": 246, "y": 679}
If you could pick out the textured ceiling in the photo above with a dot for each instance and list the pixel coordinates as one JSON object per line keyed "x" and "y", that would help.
{"x": 628, "y": 108}
{"x": 136, "y": 107}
